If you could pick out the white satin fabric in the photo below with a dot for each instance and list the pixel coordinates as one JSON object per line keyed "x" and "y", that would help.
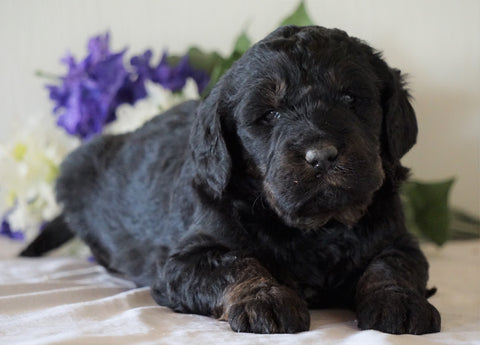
{"x": 61, "y": 300}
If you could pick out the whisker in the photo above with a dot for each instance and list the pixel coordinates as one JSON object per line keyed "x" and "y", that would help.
{"x": 255, "y": 201}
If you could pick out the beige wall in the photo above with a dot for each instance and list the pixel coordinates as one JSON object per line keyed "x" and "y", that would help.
{"x": 436, "y": 42}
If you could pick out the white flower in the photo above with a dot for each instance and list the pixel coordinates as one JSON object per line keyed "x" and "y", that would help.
{"x": 158, "y": 100}
{"x": 29, "y": 168}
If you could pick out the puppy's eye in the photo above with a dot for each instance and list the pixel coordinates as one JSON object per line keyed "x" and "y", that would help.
{"x": 270, "y": 116}
{"x": 347, "y": 99}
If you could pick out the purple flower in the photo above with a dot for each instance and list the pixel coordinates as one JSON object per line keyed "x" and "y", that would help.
{"x": 170, "y": 77}
{"x": 174, "y": 78}
{"x": 201, "y": 79}
{"x": 133, "y": 87}
{"x": 85, "y": 98}
{"x": 6, "y": 230}
{"x": 93, "y": 88}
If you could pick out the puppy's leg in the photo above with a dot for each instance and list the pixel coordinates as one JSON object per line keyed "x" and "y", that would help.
{"x": 209, "y": 279}
{"x": 391, "y": 294}
{"x": 256, "y": 302}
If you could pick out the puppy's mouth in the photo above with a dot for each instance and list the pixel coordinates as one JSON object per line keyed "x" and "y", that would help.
{"x": 312, "y": 214}
{"x": 310, "y": 206}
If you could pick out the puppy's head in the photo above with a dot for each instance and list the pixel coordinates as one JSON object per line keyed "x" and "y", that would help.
{"x": 318, "y": 117}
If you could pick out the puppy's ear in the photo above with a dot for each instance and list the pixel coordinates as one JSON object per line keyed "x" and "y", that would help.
{"x": 212, "y": 161}
{"x": 400, "y": 124}
{"x": 399, "y": 121}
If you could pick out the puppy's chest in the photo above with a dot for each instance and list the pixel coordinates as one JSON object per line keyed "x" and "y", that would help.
{"x": 324, "y": 267}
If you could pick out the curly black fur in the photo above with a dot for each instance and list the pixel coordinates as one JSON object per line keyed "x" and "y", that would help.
{"x": 277, "y": 193}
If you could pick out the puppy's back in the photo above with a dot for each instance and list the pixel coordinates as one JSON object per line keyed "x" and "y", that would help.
{"x": 115, "y": 190}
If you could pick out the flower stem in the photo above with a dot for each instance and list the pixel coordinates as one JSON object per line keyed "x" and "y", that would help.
{"x": 46, "y": 75}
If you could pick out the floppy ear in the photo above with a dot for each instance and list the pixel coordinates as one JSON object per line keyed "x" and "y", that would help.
{"x": 212, "y": 162}
{"x": 399, "y": 122}
{"x": 399, "y": 128}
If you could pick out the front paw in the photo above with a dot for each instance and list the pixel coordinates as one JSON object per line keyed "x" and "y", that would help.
{"x": 274, "y": 309}
{"x": 398, "y": 312}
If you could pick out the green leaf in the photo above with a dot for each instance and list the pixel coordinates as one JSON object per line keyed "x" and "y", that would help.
{"x": 173, "y": 60}
{"x": 241, "y": 44}
{"x": 218, "y": 70}
{"x": 299, "y": 17}
{"x": 202, "y": 60}
{"x": 426, "y": 209}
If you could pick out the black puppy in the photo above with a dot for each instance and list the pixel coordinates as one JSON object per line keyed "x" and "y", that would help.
{"x": 277, "y": 193}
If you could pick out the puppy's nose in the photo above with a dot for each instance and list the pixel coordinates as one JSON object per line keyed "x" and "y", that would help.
{"x": 322, "y": 158}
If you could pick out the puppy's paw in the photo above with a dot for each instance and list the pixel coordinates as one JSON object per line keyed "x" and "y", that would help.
{"x": 274, "y": 309}
{"x": 398, "y": 312}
